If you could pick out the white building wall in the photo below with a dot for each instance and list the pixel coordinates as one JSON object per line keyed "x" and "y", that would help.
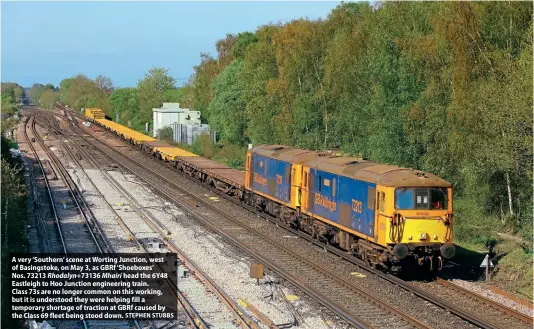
{"x": 171, "y": 113}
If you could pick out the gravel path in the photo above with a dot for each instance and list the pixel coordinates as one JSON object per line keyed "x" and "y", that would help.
{"x": 483, "y": 291}
{"x": 494, "y": 316}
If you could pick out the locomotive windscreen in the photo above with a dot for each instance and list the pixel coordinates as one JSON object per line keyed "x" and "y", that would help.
{"x": 421, "y": 198}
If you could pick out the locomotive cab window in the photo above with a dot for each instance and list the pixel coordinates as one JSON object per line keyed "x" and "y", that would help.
{"x": 421, "y": 198}
{"x": 334, "y": 187}
{"x": 370, "y": 197}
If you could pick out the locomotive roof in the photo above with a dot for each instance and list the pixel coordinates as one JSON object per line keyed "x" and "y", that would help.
{"x": 382, "y": 174}
{"x": 284, "y": 153}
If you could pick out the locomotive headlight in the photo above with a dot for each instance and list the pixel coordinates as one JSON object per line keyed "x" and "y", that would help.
{"x": 423, "y": 236}
{"x": 435, "y": 237}
{"x": 410, "y": 237}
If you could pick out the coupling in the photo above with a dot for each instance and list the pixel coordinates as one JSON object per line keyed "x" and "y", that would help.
{"x": 400, "y": 250}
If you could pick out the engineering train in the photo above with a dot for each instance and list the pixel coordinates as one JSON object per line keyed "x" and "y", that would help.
{"x": 391, "y": 217}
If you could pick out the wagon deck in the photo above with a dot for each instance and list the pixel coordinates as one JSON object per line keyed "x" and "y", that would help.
{"x": 229, "y": 175}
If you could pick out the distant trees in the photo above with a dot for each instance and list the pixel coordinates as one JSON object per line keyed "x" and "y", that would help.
{"x": 18, "y": 91}
{"x": 82, "y": 92}
{"x": 227, "y": 109}
{"x": 104, "y": 83}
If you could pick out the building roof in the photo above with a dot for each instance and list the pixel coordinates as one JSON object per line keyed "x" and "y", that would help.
{"x": 172, "y": 108}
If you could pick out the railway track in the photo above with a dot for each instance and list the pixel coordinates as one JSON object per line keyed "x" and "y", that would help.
{"x": 501, "y": 319}
{"x": 75, "y": 239}
{"x": 346, "y": 300}
{"x": 51, "y": 235}
{"x": 147, "y": 222}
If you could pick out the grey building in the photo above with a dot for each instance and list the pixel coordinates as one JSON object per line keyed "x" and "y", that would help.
{"x": 185, "y": 123}
{"x": 171, "y": 113}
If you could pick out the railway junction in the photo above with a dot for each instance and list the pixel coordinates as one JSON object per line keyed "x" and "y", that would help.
{"x": 94, "y": 192}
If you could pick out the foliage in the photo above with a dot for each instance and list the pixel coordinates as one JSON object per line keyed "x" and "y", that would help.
{"x": 231, "y": 154}
{"x": 227, "y": 109}
{"x": 125, "y": 104}
{"x": 35, "y": 93}
{"x": 48, "y": 98}
{"x": 7, "y": 100}
{"x": 151, "y": 90}
{"x": 166, "y": 134}
{"x": 18, "y": 91}
{"x": 204, "y": 146}
{"x": 13, "y": 218}
{"x": 81, "y": 92}
{"x": 104, "y": 83}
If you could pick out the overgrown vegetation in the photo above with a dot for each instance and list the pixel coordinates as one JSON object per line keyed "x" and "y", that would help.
{"x": 13, "y": 212}
{"x": 13, "y": 197}
{"x": 444, "y": 87}
{"x": 165, "y": 134}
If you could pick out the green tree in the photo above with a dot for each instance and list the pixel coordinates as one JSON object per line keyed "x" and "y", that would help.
{"x": 35, "y": 93}
{"x": 241, "y": 44}
{"x": 18, "y": 90}
{"x": 48, "y": 98}
{"x": 201, "y": 81}
{"x": 259, "y": 69}
{"x": 125, "y": 104}
{"x": 227, "y": 109}
{"x": 151, "y": 91}
{"x": 81, "y": 92}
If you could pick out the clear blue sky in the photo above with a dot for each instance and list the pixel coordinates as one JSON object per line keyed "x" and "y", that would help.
{"x": 46, "y": 42}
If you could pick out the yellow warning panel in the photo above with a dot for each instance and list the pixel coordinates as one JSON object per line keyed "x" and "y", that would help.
{"x": 358, "y": 274}
{"x": 292, "y": 298}
{"x": 242, "y": 303}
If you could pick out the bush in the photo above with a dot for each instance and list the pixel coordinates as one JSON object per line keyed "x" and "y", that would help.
{"x": 204, "y": 146}
{"x": 232, "y": 154}
{"x": 526, "y": 235}
{"x": 13, "y": 192}
{"x": 166, "y": 134}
